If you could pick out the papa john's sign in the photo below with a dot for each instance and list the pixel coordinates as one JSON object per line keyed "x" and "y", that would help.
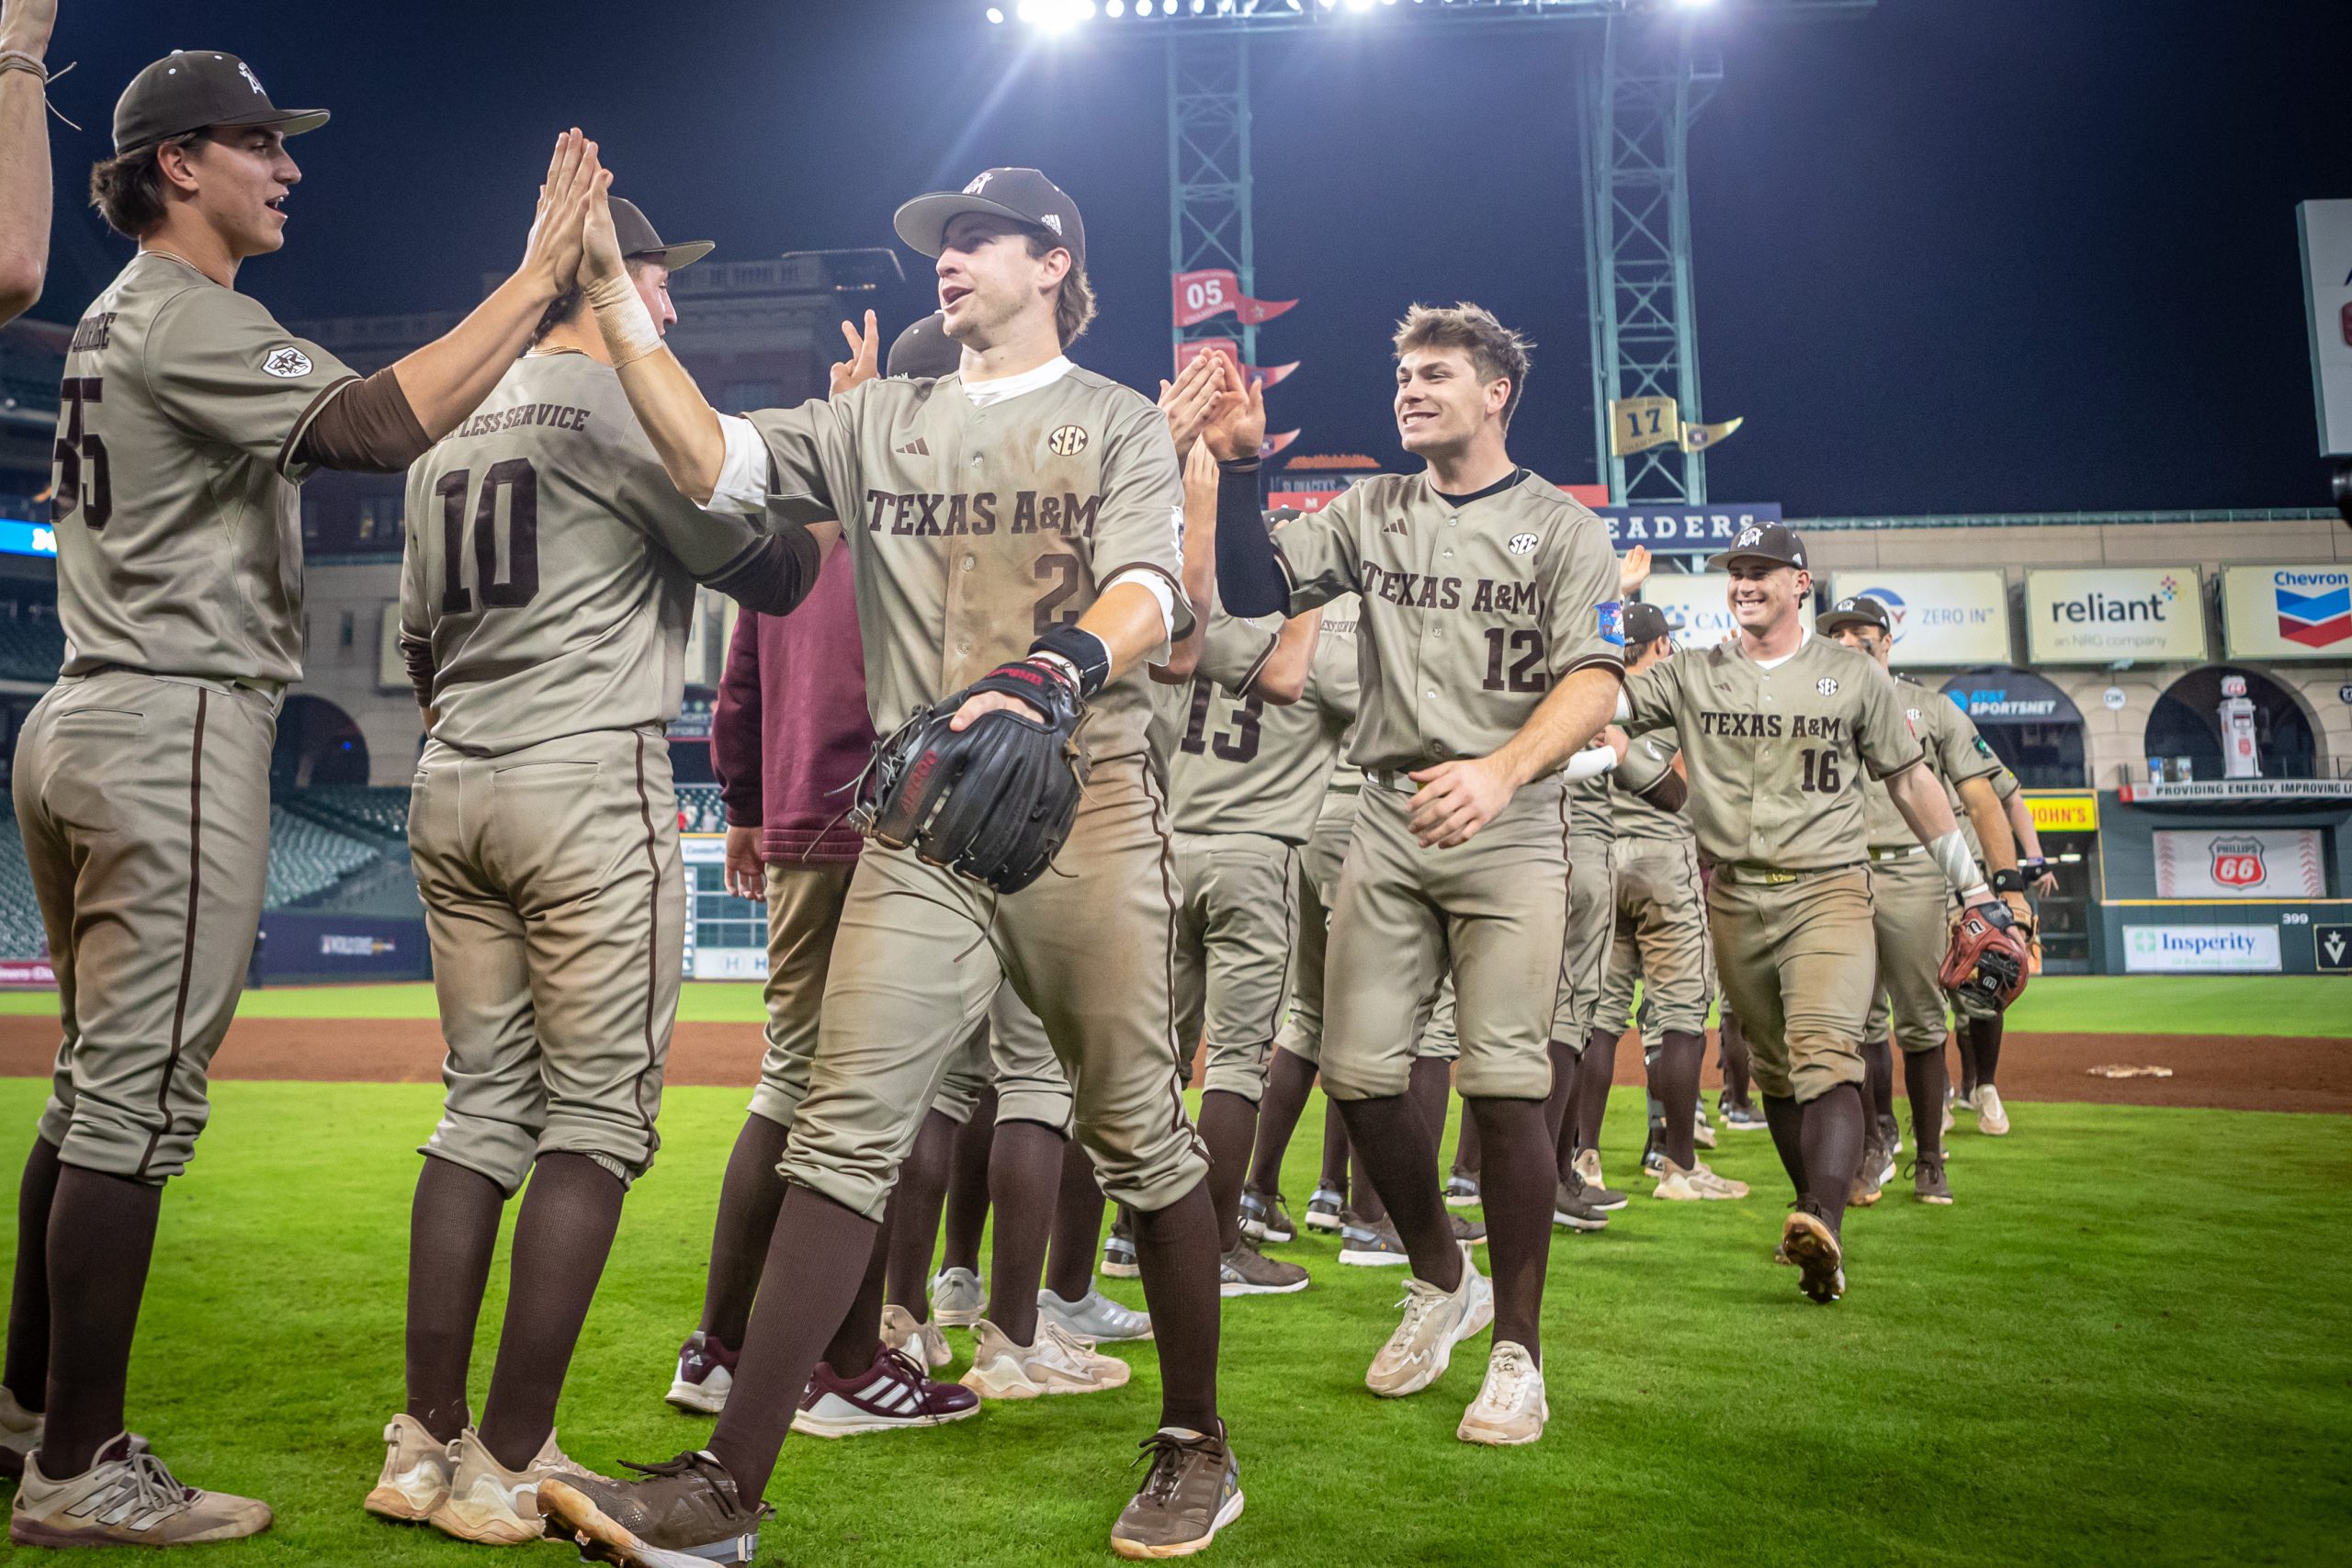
{"x": 2239, "y": 862}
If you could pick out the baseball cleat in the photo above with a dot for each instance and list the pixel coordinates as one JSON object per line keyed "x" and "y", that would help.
{"x": 1118, "y": 1252}
{"x": 1928, "y": 1182}
{"x": 19, "y": 1435}
{"x": 1813, "y": 1247}
{"x": 956, "y": 1297}
{"x": 1697, "y": 1184}
{"x": 1869, "y": 1178}
{"x": 680, "y": 1514}
{"x": 1094, "y": 1318}
{"x": 1324, "y": 1209}
{"x": 415, "y": 1478}
{"x": 1569, "y": 1209}
{"x": 1373, "y": 1246}
{"x": 922, "y": 1342}
{"x": 1055, "y": 1363}
{"x": 1435, "y": 1321}
{"x": 1265, "y": 1217}
{"x": 1192, "y": 1491}
{"x": 891, "y": 1395}
{"x": 1460, "y": 1191}
{"x": 1512, "y": 1407}
{"x": 1652, "y": 1158}
{"x": 705, "y": 1373}
{"x": 489, "y": 1505}
{"x": 1597, "y": 1192}
{"x": 1739, "y": 1118}
{"x": 1950, "y": 1121}
{"x": 1992, "y": 1117}
{"x": 126, "y": 1498}
{"x": 1245, "y": 1272}
{"x": 1701, "y": 1133}
{"x": 1468, "y": 1232}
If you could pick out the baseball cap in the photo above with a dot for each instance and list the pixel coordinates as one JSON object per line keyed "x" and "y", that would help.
{"x": 1023, "y": 195}
{"x": 1645, "y": 623}
{"x": 635, "y": 232}
{"x": 1769, "y": 541}
{"x": 924, "y": 351}
{"x": 1848, "y": 611}
{"x": 189, "y": 89}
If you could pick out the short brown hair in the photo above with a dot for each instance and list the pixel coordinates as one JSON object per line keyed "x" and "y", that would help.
{"x": 128, "y": 188}
{"x": 1074, "y": 307}
{"x": 565, "y": 306}
{"x": 1494, "y": 349}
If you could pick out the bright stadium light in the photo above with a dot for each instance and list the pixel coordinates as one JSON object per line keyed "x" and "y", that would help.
{"x": 1115, "y": 9}
{"x": 996, "y": 16}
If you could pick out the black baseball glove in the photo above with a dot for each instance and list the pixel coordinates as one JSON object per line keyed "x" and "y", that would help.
{"x": 993, "y": 802}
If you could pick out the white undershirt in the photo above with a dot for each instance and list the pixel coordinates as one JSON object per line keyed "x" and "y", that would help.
{"x": 742, "y": 484}
{"x": 1804, "y": 634}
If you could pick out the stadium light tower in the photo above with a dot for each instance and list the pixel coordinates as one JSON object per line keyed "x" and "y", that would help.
{"x": 1642, "y": 82}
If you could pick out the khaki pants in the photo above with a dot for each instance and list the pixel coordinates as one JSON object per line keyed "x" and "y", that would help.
{"x": 1797, "y": 963}
{"x": 804, "y": 906}
{"x": 556, "y": 905}
{"x": 144, "y": 804}
{"x": 1018, "y": 1059}
{"x": 1319, "y": 867}
{"x": 1910, "y": 909}
{"x": 1237, "y": 941}
{"x": 1492, "y": 913}
{"x": 1660, "y": 918}
{"x": 1584, "y": 957}
{"x": 1090, "y": 948}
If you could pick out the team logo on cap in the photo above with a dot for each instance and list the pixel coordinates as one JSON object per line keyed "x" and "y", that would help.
{"x": 1067, "y": 441}
{"x": 1825, "y": 686}
{"x": 287, "y": 364}
{"x": 251, "y": 80}
{"x": 1845, "y": 604}
{"x": 1750, "y": 535}
{"x": 1521, "y": 544}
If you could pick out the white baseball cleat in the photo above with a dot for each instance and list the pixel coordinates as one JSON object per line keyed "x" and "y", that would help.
{"x": 923, "y": 1342}
{"x": 126, "y": 1498}
{"x": 1512, "y": 1407}
{"x": 1992, "y": 1118}
{"x": 491, "y": 1505}
{"x": 415, "y": 1478}
{"x": 1435, "y": 1321}
{"x": 1055, "y": 1363}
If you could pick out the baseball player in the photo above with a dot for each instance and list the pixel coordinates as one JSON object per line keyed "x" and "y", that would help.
{"x": 1910, "y": 904}
{"x": 1490, "y": 654}
{"x": 1016, "y": 525}
{"x": 1777, "y": 728}
{"x": 1660, "y": 935}
{"x": 1980, "y": 1024}
{"x": 547, "y": 584}
{"x": 187, "y": 418}
{"x": 24, "y": 152}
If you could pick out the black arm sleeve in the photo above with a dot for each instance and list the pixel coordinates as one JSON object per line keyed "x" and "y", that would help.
{"x": 1669, "y": 792}
{"x": 418, "y": 654}
{"x": 368, "y": 428}
{"x": 1249, "y": 577}
{"x": 773, "y": 574}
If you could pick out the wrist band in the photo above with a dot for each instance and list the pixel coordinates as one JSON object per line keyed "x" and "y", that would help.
{"x": 621, "y": 316}
{"x": 1237, "y": 465}
{"x": 23, "y": 60}
{"x": 1089, "y": 660}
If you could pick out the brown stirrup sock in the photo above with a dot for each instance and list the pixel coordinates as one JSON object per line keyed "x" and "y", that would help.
{"x": 1674, "y": 1078}
{"x": 562, "y": 1238}
{"x": 749, "y": 1197}
{"x": 1078, "y": 1227}
{"x": 1361, "y": 1194}
{"x": 1565, "y": 1061}
{"x": 1516, "y": 1185}
{"x": 1337, "y": 1155}
{"x": 1987, "y": 1032}
{"x": 1428, "y": 1086}
{"x": 816, "y": 1262}
{"x": 1400, "y": 1158}
{"x": 1963, "y": 1040}
{"x": 913, "y": 1222}
{"x": 1024, "y": 1173}
{"x": 452, "y": 1232}
{"x": 1924, "y": 1082}
{"x": 1785, "y": 1117}
{"x": 966, "y": 1213}
{"x": 1878, "y": 1082}
{"x": 1836, "y": 1126}
{"x": 1739, "y": 1081}
{"x": 858, "y": 1343}
{"x": 1229, "y": 1126}
{"x": 1595, "y": 1075}
{"x": 1469, "y": 1147}
{"x": 1290, "y": 1078}
{"x": 1176, "y": 1252}
{"x": 27, "y": 1375}
{"x": 101, "y": 1238}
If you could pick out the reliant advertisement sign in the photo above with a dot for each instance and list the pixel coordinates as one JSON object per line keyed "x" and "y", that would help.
{"x": 1942, "y": 619}
{"x": 2287, "y": 612}
{"x": 2153, "y": 613}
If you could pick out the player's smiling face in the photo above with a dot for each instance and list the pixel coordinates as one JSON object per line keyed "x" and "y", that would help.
{"x": 1440, "y": 404}
{"x": 987, "y": 280}
{"x": 241, "y": 176}
{"x": 1765, "y": 594}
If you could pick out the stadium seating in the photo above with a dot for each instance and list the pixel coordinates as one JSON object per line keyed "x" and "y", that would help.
{"x": 31, "y": 648}
{"x": 700, "y": 810}
{"x": 306, "y": 858}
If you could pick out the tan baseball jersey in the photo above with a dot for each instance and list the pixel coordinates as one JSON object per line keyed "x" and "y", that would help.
{"x": 1954, "y": 752}
{"x": 1777, "y": 757}
{"x": 959, "y": 515}
{"x": 179, "y": 530}
{"x": 1470, "y": 613}
{"x": 554, "y": 452}
{"x": 1244, "y": 765}
{"x": 1588, "y": 809}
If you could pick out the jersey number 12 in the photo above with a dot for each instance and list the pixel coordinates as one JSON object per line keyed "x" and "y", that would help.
{"x": 520, "y": 482}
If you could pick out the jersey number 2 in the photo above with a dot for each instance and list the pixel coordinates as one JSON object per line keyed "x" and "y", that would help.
{"x": 84, "y": 479}
{"x": 521, "y": 584}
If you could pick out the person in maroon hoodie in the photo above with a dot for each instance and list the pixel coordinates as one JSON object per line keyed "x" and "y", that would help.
{"x": 790, "y": 737}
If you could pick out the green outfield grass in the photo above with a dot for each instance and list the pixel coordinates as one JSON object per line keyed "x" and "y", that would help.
{"x": 2312, "y": 1005}
{"x": 2106, "y": 1353}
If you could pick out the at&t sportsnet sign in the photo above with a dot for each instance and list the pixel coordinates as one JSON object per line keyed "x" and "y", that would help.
{"x": 2287, "y": 612}
{"x": 1684, "y": 530}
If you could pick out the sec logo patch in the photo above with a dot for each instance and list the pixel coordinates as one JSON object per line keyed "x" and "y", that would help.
{"x": 1825, "y": 686}
{"x": 1067, "y": 441}
{"x": 287, "y": 364}
{"x": 1521, "y": 544}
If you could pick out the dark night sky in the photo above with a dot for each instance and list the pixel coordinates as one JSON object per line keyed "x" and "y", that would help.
{"x": 1956, "y": 255}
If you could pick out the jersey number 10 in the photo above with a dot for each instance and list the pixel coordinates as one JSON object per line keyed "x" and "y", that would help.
{"x": 516, "y": 476}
